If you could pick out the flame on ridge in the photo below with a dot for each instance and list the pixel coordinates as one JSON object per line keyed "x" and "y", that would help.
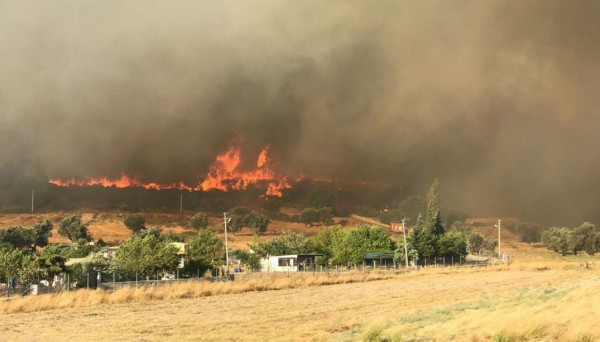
{"x": 223, "y": 175}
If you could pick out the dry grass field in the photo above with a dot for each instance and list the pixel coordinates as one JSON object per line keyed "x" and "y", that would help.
{"x": 550, "y": 301}
{"x": 110, "y": 228}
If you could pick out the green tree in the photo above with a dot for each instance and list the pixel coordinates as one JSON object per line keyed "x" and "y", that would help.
{"x": 275, "y": 246}
{"x": 135, "y": 223}
{"x": 475, "y": 243}
{"x": 238, "y": 218}
{"x": 50, "y": 262}
{"x": 399, "y": 253}
{"x": 18, "y": 237}
{"x": 433, "y": 221}
{"x": 330, "y": 242}
{"x": 206, "y": 249}
{"x": 257, "y": 222}
{"x": 145, "y": 256}
{"x": 312, "y": 215}
{"x": 529, "y": 232}
{"x": 199, "y": 221}
{"x": 558, "y": 239}
{"x": 28, "y": 237}
{"x": 422, "y": 239}
{"x": 251, "y": 260}
{"x": 321, "y": 199}
{"x": 452, "y": 244}
{"x": 585, "y": 238}
{"x": 41, "y": 231}
{"x": 29, "y": 270}
{"x": 81, "y": 250}
{"x": 73, "y": 228}
{"x": 287, "y": 243}
{"x": 308, "y": 216}
{"x": 11, "y": 260}
{"x": 366, "y": 239}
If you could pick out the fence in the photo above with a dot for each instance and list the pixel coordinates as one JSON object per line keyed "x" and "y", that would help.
{"x": 114, "y": 281}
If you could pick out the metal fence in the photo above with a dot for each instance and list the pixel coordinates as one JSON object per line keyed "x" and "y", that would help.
{"x": 114, "y": 281}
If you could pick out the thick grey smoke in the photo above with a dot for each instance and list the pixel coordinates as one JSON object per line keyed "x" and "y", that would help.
{"x": 497, "y": 99}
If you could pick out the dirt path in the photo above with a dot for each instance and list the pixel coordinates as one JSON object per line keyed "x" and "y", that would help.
{"x": 321, "y": 313}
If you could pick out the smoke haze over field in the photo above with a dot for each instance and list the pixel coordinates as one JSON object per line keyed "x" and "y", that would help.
{"x": 497, "y": 99}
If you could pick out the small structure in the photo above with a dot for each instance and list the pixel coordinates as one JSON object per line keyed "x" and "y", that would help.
{"x": 290, "y": 263}
{"x": 396, "y": 227}
{"x": 381, "y": 260}
{"x": 109, "y": 252}
{"x": 183, "y": 250}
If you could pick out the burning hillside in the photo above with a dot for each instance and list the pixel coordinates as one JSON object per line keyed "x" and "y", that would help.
{"x": 226, "y": 174}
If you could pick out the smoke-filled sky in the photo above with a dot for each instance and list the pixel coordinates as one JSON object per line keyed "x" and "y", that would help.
{"x": 498, "y": 99}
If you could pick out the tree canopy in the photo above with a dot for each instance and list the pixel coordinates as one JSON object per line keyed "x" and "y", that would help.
{"x": 136, "y": 223}
{"x": 321, "y": 199}
{"x": 199, "y": 221}
{"x": 146, "y": 255}
{"x": 73, "y": 228}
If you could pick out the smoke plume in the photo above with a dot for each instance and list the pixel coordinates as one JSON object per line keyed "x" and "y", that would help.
{"x": 497, "y": 99}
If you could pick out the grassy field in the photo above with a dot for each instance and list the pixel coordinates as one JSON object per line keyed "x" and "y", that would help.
{"x": 524, "y": 301}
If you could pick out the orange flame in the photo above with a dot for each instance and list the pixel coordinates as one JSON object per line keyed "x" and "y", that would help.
{"x": 223, "y": 175}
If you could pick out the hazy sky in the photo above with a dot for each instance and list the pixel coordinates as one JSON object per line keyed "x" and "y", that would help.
{"x": 498, "y": 99}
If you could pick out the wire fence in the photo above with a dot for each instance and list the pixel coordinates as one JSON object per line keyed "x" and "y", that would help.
{"x": 113, "y": 281}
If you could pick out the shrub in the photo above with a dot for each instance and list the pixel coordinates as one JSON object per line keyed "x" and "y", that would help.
{"x": 135, "y": 222}
{"x": 73, "y": 228}
{"x": 321, "y": 199}
{"x": 199, "y": 221}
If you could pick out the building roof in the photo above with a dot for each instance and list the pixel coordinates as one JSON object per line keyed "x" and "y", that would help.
{"x": 379, "y": 255}
{"x": 295, "y": 255}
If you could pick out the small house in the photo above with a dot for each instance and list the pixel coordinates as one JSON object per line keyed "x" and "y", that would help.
{"x": 290, "y": 263}
{"x": 183, "y": 250}
{"x": 109, "y": 252}
{"x": 397, "y": 227}
{"x": 379, "y": 260}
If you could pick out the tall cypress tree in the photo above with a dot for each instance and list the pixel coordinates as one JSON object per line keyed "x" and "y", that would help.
{"x": 433, "y": 221}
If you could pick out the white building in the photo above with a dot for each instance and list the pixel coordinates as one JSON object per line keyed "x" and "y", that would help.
{"x": 290, "y": 263}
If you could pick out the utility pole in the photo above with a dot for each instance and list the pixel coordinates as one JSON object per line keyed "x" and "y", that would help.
{"x": 405, "y": 248}
{"x": 32, "y": 193}
{"x": 498, "y": 225}
{"x": 225, "y": 221}
{"x": 180, "y": 203}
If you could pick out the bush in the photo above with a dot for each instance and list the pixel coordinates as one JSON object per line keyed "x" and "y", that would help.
{"x": 245, "y": 217}
{"x": 558, "y": 239}
{"x": 321, "y": 199}
{"x": 135, "y": 222}
{"x": 529, "y": 232}
{"x": 311, "y": 215}
{"x": 238, "y": 218}
{"x": 73, "y": 228}
{"x": 199, "y": 221}
{"x": 258, "y": 222}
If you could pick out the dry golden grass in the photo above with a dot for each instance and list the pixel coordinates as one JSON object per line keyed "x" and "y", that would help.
{"x": 247, "y": 283}
{"x": 110, "y": 228}
{"x": 437, "y": 304}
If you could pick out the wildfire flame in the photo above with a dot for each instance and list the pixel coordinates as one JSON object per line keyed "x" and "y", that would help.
{"x": 223, "y": 175}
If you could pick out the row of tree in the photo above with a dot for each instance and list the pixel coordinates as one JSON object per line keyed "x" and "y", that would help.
{"x": 565, "y": 240}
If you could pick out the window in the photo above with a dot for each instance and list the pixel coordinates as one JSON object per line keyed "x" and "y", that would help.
{"x": 286, "y": 262}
